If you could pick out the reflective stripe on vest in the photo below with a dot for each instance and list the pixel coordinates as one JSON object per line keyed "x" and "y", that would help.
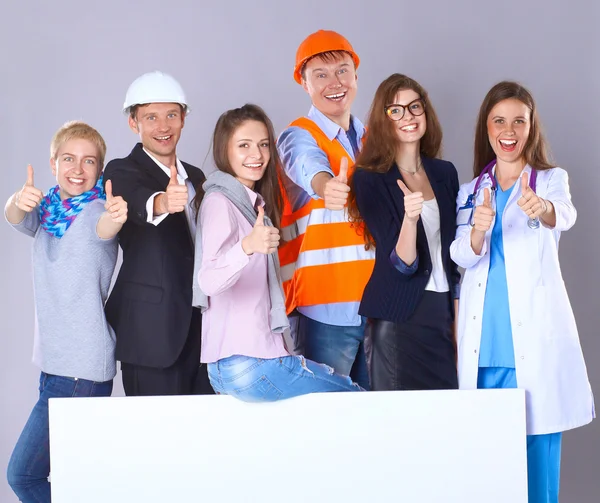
{"x": 323, "y": 259}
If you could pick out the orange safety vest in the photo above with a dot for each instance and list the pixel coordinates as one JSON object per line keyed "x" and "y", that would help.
{"x": 323, "y": 259}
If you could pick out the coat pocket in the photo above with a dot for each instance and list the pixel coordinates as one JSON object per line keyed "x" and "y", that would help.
{"x": 142, "y": 293}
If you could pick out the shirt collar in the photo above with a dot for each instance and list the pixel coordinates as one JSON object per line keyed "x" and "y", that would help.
{"x": 254, "y": 196}
{"x": 180, "y": 169}
{"x": 330, "y": 128}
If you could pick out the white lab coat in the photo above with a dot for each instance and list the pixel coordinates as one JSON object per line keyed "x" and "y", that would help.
{"x": 548, "y": 358}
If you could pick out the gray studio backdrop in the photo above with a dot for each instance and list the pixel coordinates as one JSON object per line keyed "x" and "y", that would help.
{"x": 68, "y": 59}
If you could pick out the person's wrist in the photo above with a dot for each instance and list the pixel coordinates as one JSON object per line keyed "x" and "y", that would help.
{"x": 159, "y": 206}
{"x": 410, "y": 220}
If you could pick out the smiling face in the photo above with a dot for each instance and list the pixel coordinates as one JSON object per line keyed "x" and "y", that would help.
{"x": 159, "y": 126}
{"x": 413, "y": 125}
{"x": 76, "y": 167}
{"x": 331, "y": 85}
{"x": 248, "y": 152}
{"x": 508, "y": 126}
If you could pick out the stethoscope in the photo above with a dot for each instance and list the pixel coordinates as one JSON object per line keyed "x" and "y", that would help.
{"x": 533, "y": 223}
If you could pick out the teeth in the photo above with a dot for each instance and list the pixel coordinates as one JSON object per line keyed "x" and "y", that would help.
{"x": 258, "y": 165}
{"x": 77, "y": 181}
{"x": 508, "y": 142}
{"x": 163, "y": 137}
{"x": 335, "y": 96}
{"x": 411, "y": 127}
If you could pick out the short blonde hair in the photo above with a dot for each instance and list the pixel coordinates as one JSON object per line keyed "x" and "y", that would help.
{"x": 76, "y": 130}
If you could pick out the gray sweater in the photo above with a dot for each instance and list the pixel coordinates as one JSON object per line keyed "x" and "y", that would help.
{"x": 71, "y": 278}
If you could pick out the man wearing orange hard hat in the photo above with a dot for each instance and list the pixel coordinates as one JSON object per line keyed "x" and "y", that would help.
{"x": 324, "y": 264}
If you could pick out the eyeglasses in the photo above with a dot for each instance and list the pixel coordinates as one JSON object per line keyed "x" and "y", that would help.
{"x": 396, "y": 112}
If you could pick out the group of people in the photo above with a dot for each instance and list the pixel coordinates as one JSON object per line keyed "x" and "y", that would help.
{"x": 348, "y": 236}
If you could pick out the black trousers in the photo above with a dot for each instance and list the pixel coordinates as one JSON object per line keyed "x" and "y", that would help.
{"x": 418, "y": 354}
{"x": 185, "y": 377}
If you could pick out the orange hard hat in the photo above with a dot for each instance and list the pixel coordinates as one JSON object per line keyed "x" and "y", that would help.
{"x": 317, "y": 43}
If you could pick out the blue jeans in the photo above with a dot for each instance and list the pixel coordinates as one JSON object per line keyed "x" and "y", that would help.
{"x": 267, "y": 380}
{"x": 29, "y": 465}
{"x": 342, "y": 348}
{"x": 543, "y": 451}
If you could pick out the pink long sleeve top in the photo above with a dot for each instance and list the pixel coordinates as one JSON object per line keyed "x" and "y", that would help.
{"x": 237, "y": 321}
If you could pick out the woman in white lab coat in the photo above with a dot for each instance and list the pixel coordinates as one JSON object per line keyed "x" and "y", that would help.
{"x": 515, "y": 323}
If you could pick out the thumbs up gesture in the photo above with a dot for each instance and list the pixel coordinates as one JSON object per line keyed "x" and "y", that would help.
{"x": 484, "y": 215}
{"x": 413, "y": 203}
{"x": 263, "y": 238}
{"x": 115, "y": 206}
{"x": 531, "y": 204}
{"x": 28, "y": 198}
{"x": 336, "y": 190}
{"x": 175, "y": 197}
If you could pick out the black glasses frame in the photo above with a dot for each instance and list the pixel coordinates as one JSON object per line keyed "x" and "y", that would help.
{"x": 404, "y": 109}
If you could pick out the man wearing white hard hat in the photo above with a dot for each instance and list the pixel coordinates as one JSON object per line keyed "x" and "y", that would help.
{"x": 150, "y": 307}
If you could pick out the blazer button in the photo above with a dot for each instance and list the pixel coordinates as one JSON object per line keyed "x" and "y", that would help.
{"x": 426, "y": 272}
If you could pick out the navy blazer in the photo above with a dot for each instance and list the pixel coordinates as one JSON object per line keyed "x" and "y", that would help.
{"x": 150, "y": 306}
{"x": 390, "y": 294}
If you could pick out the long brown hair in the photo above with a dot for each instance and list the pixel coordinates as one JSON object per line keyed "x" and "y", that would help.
{"x": 535, "y": 152}
{"x": 379, "y": 151}
{"x": 268, "y": 186}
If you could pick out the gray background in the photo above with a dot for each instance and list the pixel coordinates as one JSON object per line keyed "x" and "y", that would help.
{"x": 69, "y": 59}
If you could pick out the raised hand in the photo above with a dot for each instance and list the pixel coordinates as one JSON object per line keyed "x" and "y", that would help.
{"x": 484, "y": 215}
{"x": 116, "y": 206}
{"x": 263, "y": 239}
{"x": 28, "y": 198}
{"x": 336, "y": 190}
{"x": 175, "y": 197}
{"x": 529, "y": 202}
{"x": 413, "y": 203}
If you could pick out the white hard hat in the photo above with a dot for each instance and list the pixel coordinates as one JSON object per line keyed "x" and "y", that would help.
{"x": 154, "y": 87}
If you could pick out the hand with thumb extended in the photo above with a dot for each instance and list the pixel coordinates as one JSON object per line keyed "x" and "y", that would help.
{"x": 173, "y": 180}
{"x": 413, "y": 202}
{"x": 484, "y": 215}
{"x": 116, "y": 206}
{"x": 343, "y": 174}
{"x": 28, "y": 198}
{"x": 529, "y": 202}
{"x": 175, "y": 197}
{"x": 263, "y": 238}
{"x": 335, "y": 194}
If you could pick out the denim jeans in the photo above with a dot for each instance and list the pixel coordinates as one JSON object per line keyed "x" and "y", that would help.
{"x": 29, "y": 465}
{"x": 267, "y": 380}
{"x": 342, "y": 348}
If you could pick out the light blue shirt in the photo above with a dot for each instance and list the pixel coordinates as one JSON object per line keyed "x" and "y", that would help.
{"x": 302, "y": 159}
{"x": 496, "y": 334}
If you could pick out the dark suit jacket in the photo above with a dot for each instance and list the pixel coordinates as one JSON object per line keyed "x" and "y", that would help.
{"x": 150, "y": 306}
{"x": 392, "y": 295}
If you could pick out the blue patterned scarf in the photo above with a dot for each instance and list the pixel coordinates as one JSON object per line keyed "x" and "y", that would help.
{"x": 56, "y": 214}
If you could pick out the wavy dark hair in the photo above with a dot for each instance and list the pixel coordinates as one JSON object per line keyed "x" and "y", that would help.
{"x": 379, "y": 151}
{"x": 268, "y": 186}
{"x": 535, "y": 152}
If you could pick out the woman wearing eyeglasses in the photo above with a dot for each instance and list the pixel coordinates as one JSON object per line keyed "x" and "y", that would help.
{"x": 402, "y": 198}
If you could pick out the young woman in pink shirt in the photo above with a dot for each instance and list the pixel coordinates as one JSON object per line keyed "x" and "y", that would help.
{"x": 237, "y": 277}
